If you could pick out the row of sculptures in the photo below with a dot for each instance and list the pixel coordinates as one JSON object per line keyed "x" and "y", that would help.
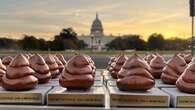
{"x": 26, "y": 71}
{"x": 137, "y": 73}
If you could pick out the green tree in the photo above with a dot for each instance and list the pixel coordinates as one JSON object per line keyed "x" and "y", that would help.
{"x": 116, "y": 44}
{"x": 156, "y": 42}
{"x": 32, "y": 43}
{"x": 67, "y": 39}
{"x": 29, "y": 43}
{"x": 177, "y": 44}
{"x": 127, "y": 42}
{"x": 135, "y": 42}
{"x": 6, "y": 43}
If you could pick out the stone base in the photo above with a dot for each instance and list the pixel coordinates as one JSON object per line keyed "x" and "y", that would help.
{"x": 31, "y": 97}
{"x": 99, "y": 78}
{"x": 151, "y": 98}
{"x": 160, "y": 84}
{"x": 180, "y": 99}
{"x": 98, "y": 84}
{"x": 60, "y": 96}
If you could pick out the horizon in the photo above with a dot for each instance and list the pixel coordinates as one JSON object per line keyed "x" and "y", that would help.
{"x": 44, "y": 19}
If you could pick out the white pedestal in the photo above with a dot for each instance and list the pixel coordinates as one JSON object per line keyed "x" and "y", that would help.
{"x": 180, "y": 99}
{"x": 32, "y": 97}
{"x": 151, "y": 98}
{"x": 92, "y": 97}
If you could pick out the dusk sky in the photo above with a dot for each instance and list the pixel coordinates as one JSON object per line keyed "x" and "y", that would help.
{"x": 46, "y": 18}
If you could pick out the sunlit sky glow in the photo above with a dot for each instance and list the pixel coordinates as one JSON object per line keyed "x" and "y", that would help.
{"x": 46, "y": 18}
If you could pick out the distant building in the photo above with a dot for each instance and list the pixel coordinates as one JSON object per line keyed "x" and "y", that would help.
{"x": 96, "y": 40}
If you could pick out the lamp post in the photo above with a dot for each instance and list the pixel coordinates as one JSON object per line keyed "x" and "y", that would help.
{"x": 192, "y": 14}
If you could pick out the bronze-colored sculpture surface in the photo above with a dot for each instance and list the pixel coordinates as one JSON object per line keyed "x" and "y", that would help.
{"x": 112, "y": 59}
{"x": 19, "y": 75}
{"x": 61, "y": 58}
{"x": 7, "y": 60}
{"x": 118, "y": 65}
{"x": 78, "y": 73}
{"x": 135, "y": 75}
{"x": 149, "y": 57}
{"x": 38, "y": 64}
{"x": 186, "y": 82}
{"x": 92, "y": 64}
{"x": 157, "y": 64}
{"x": 173, "y": 69}
{"x": 188, "y": 58}
{"x": 27, "y": 55}
{"x": 60, "y": 64}
{"x": 53, "y": 66}
{"x": 2, "y": 70}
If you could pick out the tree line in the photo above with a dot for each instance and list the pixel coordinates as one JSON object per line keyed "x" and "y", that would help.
{"x": 154, "y": 42}
{"x": 67, "y": 39}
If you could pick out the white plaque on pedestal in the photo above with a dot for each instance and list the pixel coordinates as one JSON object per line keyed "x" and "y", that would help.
{"x": 61, "y": 96}
{"x": 180, "y": 99}
{"x": 151, "y": 98}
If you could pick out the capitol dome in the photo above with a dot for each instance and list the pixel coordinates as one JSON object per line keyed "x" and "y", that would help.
{"x": 97, "y": 28}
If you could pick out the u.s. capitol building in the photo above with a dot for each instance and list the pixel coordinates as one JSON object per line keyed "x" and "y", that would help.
{"x": 96, "y": 40}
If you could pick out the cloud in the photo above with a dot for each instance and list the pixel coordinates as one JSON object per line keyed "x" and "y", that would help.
{"x": 118, "y": 16}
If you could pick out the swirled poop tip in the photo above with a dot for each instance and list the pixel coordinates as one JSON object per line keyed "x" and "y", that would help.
{"x": 149, "y": 57}
{"x": 173, "y": 69}
{"x": 78, "y": 73}
{"x": 60, "y": 64}
{"x": 19, "y": 75}
{"x": 112, "y": 59}
{"x": 38, "y": 64}
{"x": 120, "y": 60}
{"x": 135, "y": 75}
{"x": 61, "y": 58}
{"x": 7, "y": 60}
{"x": 188, "y": 58}
{"x": 52, "y": 64}
{"x": 157, "y": 64}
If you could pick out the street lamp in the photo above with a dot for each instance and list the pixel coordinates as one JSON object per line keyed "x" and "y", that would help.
{"x": 192, "y": 14}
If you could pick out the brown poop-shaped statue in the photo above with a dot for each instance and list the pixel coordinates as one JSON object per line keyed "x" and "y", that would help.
{"x": 60, "y": 64}
{"x": 37, "y": 63}
{"x": 118, "y": 65}
{"x": 188, "y": 58}
{"x": 19, "y": 75}
{"x": 112, "y": 59}
{"x": 91, "y": 62}
{"x": 2, "y": 70}
{"x": 135, "y": 75}
{"x": 186, "y": 82}
{"x": 77, "y": 73}
{"x": 61, "y": 58}
{"x": 53, "y": 66}
{"x": 173, "y": 69}
{"x": 157, "y": 64}
{"x": 149, "y": 57}
{"x": 7, "y": 60}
